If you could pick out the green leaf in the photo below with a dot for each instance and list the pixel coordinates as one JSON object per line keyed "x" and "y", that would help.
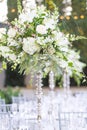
{"x": 4, "y": 65}
{"x": 70, "y": 64}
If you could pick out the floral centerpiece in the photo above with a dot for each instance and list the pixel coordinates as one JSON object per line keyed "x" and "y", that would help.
{"x": 35, "y": 42}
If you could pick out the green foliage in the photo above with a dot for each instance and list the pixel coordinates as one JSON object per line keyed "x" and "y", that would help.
{"x": 50, "y": 4}
{"x": 73, "y": 37}
{"x": 19, "y": 6}
{"x": 4, "y": 65}
{"x": 8, "y": 93}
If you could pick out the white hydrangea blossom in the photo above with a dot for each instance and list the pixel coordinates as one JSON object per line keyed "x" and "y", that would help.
{"x": 29, "y": 45}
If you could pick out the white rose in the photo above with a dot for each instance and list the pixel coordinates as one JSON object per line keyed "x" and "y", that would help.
{"x": 29, "y": 45}
{"x": 41, "y": 29}
{"x": 12, "y": 32}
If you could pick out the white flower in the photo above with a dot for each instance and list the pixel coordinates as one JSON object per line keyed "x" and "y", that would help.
{"x": 73, "y": 56}
{"x": 63, "y": 64}
{"x": 23, "y": 18}
{"x": 78, "y": 65}
{"x": 60, "y": 38}
{"x": 12, "y": 57}
{"x": 41, "y": 40}
{"x": 12, "y": 42}
{"x": 32, "y": 15}
{"x": 4, "y": 51}
{"x": 62, "y": 48}
{"x": 29, "y": 45}
{"x": 65, "y": 41}
{"x": 28, "y": 16}
{"x": 48, "y": 39}
{"x": 12, "y": 32}
{"x": 41, "y": 29}
{"x": 31, "y": 4}
{"x": 41, "y": 9}
{"x": 69, "y": 71}
{"x": 49, "y": 23}
{"x": 2, "y": 31}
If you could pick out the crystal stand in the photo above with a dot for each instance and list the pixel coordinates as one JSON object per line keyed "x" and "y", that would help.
{"x": 39, "y": 94}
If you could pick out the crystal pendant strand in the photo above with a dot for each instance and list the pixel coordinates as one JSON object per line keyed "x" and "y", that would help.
{"x": 39, "y": 94}
{"x": 51, "y": 106}
{"x": 51, "y": 86}
{"x": 51, "y": 81}
{"x": 66, "y": 82}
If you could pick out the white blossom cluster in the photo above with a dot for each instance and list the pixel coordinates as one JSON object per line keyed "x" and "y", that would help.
{"x": 36, "y": 42}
